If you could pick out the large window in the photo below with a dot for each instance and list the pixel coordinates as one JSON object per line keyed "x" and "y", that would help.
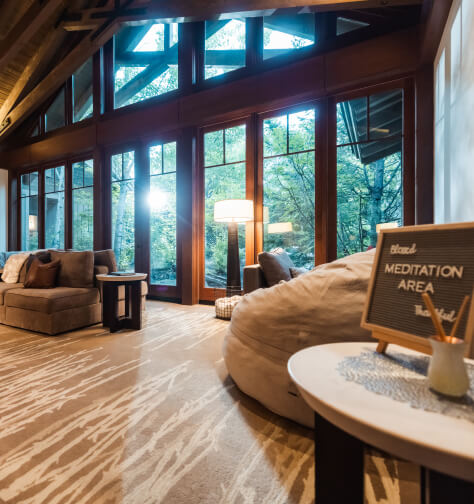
{"x": 55, "y": 116}
{"x": 83, "y": 205}
{"x": 282, "y": 34}
{"x": 29, "y": 211}
{"x": 82, "y": 92}
{"x": 369, "y": 168}
{"x": 224, "y": 178}
{"x": 54, "y": 207}
{"x": 162, "y": 202}
{"x": 146, "y": 62}
{"x": 123, "y": 209}
{"x": 289, "y": 185}
{"x": 225, "y": 46}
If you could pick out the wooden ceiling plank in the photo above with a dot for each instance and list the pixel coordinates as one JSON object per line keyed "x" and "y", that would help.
{"x": 45, "y": 51}
{"x": 26, "y": 27}
{"x": 56, "y": 78}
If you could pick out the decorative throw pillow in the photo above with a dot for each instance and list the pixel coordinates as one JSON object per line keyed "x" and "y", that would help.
{"x": 11, "y": 270}
{"x": 276, "y": 266}
{"x": 42, "y": 276}
{"x": 296, "y": 272}
{"x": 43, "y": 255}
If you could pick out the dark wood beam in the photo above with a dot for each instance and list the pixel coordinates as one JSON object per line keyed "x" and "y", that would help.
{"x": 437, "y": 12}
{"x": 25, "y": 29}
{"x": 200, "y": 10}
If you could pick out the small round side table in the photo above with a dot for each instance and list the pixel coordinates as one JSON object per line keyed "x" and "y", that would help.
{"x": 349, "y": 417}
{"x": 133, "y": 301}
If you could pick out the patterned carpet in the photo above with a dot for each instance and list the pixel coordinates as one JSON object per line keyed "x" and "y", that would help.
{"x": 151, "y": 417}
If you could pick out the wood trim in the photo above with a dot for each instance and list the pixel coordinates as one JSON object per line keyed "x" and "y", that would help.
{"x": 433, "y": 29}
{"x": 321, "y": 252}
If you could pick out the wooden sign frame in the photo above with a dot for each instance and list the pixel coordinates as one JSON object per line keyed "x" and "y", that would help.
{"x": 387, "y": 335}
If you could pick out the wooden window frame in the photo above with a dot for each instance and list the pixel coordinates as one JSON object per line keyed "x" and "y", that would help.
{"x": 408, "y": 142}
{"x": 209, "y": 294}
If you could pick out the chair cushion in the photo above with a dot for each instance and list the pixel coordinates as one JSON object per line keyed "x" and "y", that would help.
{"x": 77, "y": 268}
{"x": 4, "y": 288}
{"x": 12, "y": 268}
{"x": 51, "y": 300}
{"x": 276, "y": 266}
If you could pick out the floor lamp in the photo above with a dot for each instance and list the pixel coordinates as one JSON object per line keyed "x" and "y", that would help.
{"x": 233, "y": 212}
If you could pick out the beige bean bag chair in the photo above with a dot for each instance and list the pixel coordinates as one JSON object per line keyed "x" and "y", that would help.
{"x": 269, "y": 325}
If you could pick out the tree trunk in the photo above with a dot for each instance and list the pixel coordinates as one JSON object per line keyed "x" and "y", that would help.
{"x": 375, "y": 203}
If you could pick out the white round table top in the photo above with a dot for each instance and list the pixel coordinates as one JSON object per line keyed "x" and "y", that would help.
{"x": 439, "y": 442}
{"x": 121, "y": 278}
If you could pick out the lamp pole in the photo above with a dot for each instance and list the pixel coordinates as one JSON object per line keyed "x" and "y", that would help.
{"x": 233, "y": 260}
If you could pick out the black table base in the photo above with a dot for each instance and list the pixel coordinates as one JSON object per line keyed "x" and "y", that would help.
{"x": 339, "y": 472}
{"x": 133, "y": 305}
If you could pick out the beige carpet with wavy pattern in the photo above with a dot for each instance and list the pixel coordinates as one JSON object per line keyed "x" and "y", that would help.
{"x": 149, "y": 417}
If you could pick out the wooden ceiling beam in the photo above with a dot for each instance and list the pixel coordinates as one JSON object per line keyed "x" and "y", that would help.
{"x": 25, "y": 28}
{"x": 199, "y": 10}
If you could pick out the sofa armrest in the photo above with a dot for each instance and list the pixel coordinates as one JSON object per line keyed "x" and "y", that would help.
{"x": 253, "y": 278}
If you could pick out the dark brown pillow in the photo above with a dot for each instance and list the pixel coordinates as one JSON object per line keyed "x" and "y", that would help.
{"x": 276, "y": 266}
{"x": 42, "y": 276}
{"x": 43, "y": 255}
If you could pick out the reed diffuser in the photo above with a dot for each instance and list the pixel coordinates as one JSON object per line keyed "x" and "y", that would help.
{"x": 447, "y": 371}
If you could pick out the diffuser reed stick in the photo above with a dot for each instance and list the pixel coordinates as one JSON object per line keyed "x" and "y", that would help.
{"x": 434, "y": 317}
{"x": 459, "y": 317}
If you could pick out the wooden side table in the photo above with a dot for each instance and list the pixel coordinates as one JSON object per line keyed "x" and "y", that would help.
{"x": 133, "y": 301}
{"x": 349, "y": 417}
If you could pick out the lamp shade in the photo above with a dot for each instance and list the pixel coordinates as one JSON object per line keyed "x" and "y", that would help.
{"x": 386, "y": 225}
{"x": 280, "y": 227}
{"x": 33, "y": 223}
{"x": 233, "y": 210}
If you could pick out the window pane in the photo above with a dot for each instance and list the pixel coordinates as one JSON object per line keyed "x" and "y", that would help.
{"x": 55, "y": 115}
{"x": 346, "y": 25}
{"x": 29, "y": 223}
{"x": 352, "y": 121}
{"x": 386, "y": 114}
{"x": 82, "y": 92}
{"x": 89, "y": 172}
{"x": 117, "y": 161}
{"x": 235, "y": 144}
{"x": 169, "y": 157}
{"x": 156, "y": 159}
{"x": 146, "y": 62}
{"x": 301, "y": 130}
{"x": 59, "y": 178}
{"x": 83, "y": 218}
{"x": 289, "y": 195}
{"x": 223, "y": 182}
{"x": 123, "y": 214}
{"x": 225, "y": 47}
{"x": 287, "y": 33}
{"x": 369, "y": 192}
{"x": 49, "y": 180}
{"x": 163, "y": 229}
{"x": 33, "y": 183}
{"x": 25, "y": 184}
{"x": 77, "y": 175}
{"x": 54, "y": 220}
{"x": 214, "y": 148}
{"x": 275, "y": 135}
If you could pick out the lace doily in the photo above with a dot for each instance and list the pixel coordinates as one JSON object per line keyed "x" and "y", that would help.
{"x": 403, "y": 378}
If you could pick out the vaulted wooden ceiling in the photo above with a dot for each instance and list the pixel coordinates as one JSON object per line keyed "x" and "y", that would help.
{"x": 42, "y": 42}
